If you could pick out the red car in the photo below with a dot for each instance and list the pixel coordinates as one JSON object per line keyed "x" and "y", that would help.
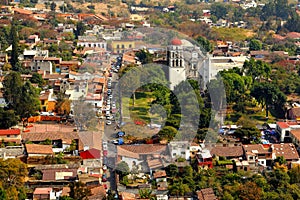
{"x": 105, "y": 186}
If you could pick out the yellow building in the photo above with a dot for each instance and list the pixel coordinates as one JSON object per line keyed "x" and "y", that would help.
{"x": 121, "y": 46}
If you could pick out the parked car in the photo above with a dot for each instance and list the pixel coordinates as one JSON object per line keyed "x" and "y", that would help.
{"x": 109, "y": 91}
{"x": 108, "y": 122}
{"x": 104, "y": 178}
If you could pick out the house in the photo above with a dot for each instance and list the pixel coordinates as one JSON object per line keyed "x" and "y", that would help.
{"x": 10, "y": 135}
{"x": 160, "y": 176}
{"x": 58, "y": 172}
{"x": 44, "y": 66}
{"x": 33, "y": 39}
{"x": 91, "y": 158}
{"x": 91, "y": 41}
{"x": 11, "y": 152}
{"x": 179, "y": 149}
{"x": 127, "y": 196}
{"x": 288, "y": 151}
{"x": 46, "y": 194}
{"x": 284, "y": 129}
{"x": 47, "y": 101}
{"x": 228, "y": 152}
{"x": 206, "y": 194}
{"x": 295, "y": 136}
{"x": 138, "y": 156}
{"x": 259, "y": 154}
{"x": 194, "y": 149}
{"x": 204, "y": 159}
{"x": 121, "y": 46}
{"x": 37, "y": 150}
{"x": 294, "y": 113}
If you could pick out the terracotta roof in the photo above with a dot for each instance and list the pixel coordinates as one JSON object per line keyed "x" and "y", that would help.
{"x": 65, "y": 137}
{"x": 159, "y": 174}
{"x": 38, "y": 149}
{"x": 296, "y": 111}
{"x": 47, "y": 58}
{"x": 206, "y": 194}
{"x": 155, "y": 163}
{"x": 22, "y": 11}
{"x": 97, "y": 193}
{"x": 44, "y": 96}
{"x": 65, "y": 191}
{"x": 10, "y": 132}
{"x": 259, "y": 148}
{"x": 283, "y": 125}
{"x": 236, "y": 151}
{"x": 42, "y": 190}
{"x": 145, "y": 148}
{"x": 127, "y": 196}
{"x": 287, "y": 150}
{"x": 259, "y": 52}
{"x": 296, "y": 133}
{"x": 293, "y": 35}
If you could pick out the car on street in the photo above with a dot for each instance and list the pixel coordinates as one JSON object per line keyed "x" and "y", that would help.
{"x": 109, "y": 91}
{"x": 108, "y": 122}
{"x": 107, "y": 113}
{"x": 104, "y": 178}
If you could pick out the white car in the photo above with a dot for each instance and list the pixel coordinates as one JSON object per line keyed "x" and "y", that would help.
{"x": 104, "y": 144}
{"x": 109, "y": 91}
{"x": 107, "y": 113}
{"x": 113, "y": 106}
{"x": 108, "y": 122}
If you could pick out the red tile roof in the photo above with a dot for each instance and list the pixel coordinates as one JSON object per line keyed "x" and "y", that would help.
{"x": 296, "y": 133}
{"x": 91, "y": 154}
{"x": 236, "y": 151}
{"x": 10, "y": 131}
{"x": 38, "y": 149}
{"x": 283, "y": 125}
{"x": 206, "y": 194}
{"x": 42, "y": 190}
{"x": 159, "y": 174}
{"x": 287, "y": 150}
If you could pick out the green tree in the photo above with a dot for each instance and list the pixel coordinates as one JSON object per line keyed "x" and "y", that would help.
{"x": 52, "y": 6}
{"x": 122, "y": 169}
{"x": 79, "y": 191}
{"x": 12, "y": 89}
{"x": 15, "y": 45}
{"x": 167, "y": 132}
{"x": 144, "y": 56}
{"x": 219, "y": 10}
{"x": 80, "y": 29}
{"x": 205, "y": 44}
{"x": 172, "y": 170}
{"x": 268, "y": 94}
{"x": 256, "y": 69}
{"x": 255, "y": 45}
{"x": 37, "y": 78}
{"x": 145, "y": 193}
{"x": 8, "y": 119}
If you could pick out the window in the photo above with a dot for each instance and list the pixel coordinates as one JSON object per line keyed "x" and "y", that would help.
{"x": 118, "y": 46}
{"x": 183, "y": 153}
{"x": 130, "y": 46}
{"x": 174, "y": 154}
{"x": 123, "y": 46}
{"x": 8, "y": 136}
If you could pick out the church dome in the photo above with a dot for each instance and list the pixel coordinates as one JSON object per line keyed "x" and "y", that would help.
{"x": 176, "y": 41}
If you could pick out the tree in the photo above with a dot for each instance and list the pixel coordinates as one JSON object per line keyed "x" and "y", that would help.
{"x": 122, "y": 169}
{"x": 15, "y": 45}
{"x": 219, "y": 10}
{"x": 205, "y": 44}
{"x": 63, "y": 104}
{"x": 145, "y": 193}
{"x": 255, "y": 45}
{"x": 167, "y": 132}
{"x": 249, "y": 191}
{"x": 52, "y": 6}
{"x": 22, "y": 98}
{"x": 268, "y": 94}
{"x": 80, "y": 29}
{"x": 37, "y": 78}
{"x": 12, "y": 177}
{"x": 6, "y": 67}
{"x": 256, "y": 69}
{"x": 8, "y": 119}
{"x": 172, "y": 170}
{"x": 144, "y": 56}
{"x": 79, "y": 191}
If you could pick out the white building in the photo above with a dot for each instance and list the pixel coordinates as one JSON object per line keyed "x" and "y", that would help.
{"x": 91, "y": 41}
{"x": 179, "y": 149}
